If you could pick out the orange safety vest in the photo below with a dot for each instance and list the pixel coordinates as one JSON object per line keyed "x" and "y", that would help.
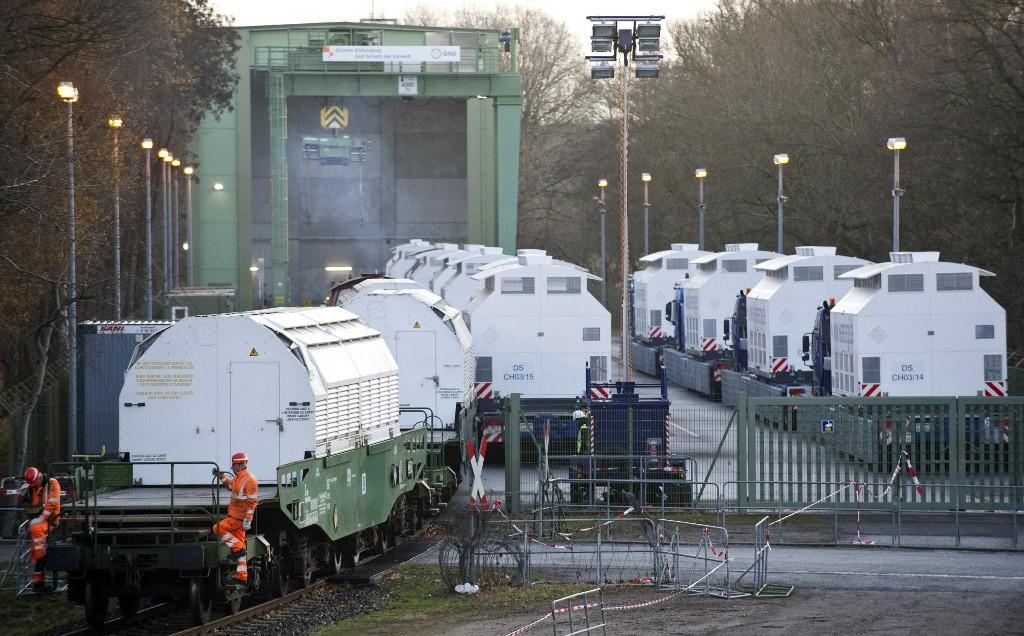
{"x": 244, "y": 495}
{"x": 47, "y": 502}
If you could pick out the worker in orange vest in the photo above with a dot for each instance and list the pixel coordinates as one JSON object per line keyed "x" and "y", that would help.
{"x": 231, "y": 529}
{"x": 40, "y": 496}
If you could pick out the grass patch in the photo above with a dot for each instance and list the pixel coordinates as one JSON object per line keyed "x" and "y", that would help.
{"x": 418, "y": 598}
{"x": 27, "y": 615}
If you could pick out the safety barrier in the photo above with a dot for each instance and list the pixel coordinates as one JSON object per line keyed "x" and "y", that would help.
{"x": 571, "y": 606}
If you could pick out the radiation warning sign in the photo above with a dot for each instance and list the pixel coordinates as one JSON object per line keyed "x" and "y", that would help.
{"x": 334, "y": 117}
{"x": 253, "y": 353}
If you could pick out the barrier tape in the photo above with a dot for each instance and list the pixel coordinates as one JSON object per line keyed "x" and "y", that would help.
{"x": 912, "y": 473}
{"x": 617, "y": 608}
{"x": 565, "y": 535}
{"x": 711, "y": 546}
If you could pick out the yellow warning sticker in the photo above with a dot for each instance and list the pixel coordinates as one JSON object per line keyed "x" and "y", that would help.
{"x": 253, "y": 354}
{"x": 416, "y": 325}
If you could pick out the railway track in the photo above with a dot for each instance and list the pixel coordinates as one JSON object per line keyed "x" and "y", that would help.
{"x": 324, "y": 601}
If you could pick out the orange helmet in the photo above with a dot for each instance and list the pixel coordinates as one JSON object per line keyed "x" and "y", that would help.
{"x": 239, "y": 458}
{"x": 32, "y": 474}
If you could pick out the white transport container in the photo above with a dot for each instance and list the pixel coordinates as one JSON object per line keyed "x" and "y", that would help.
{"x": 451, "y": 266}
{"x": 277, "y": 384}
{"x": 536, "y": 327}
{"x": 403, "y": 257}
{"x": 430, "y": 342}
{"x": 460, "y": 289}
{"x": 654, "y": 287}
{"x": 709, "y": 295}
{"x": 782, "y": 307}
{"x": 918, "y": 326}
{"x": 430, "y": 263}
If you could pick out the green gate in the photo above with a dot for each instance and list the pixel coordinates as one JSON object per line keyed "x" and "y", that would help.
{"x": 793, "y": 451}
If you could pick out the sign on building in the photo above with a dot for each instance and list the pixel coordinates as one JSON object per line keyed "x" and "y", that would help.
{"x": 393, "y": 54}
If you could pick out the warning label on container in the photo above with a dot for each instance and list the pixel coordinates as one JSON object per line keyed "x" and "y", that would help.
{"x": 449, "y": 393}
{"x": 164, "y": 379}
{"x": 298, "y": 413}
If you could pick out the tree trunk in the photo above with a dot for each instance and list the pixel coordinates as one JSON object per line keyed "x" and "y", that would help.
{"x": 43, "y": 337}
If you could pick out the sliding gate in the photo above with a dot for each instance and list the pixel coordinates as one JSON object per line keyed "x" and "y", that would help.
{"x": 967, "y": 452}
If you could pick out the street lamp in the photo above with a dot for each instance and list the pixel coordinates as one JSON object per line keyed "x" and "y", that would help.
{"x": 646, "y": 178}
{"x": 176, "y": 257}
{"x": 637, "y": 39}
{"x": 601, "y": 185}
{"x": 896, "y": 144}
{"x": 115, "y": 124}
{"x": 780, "y": 160}
{"x": 67, "y": 92}
{"x": 188, "y": 220}
{"x": 701, "y": 174}
{"x": 147, "y": 145}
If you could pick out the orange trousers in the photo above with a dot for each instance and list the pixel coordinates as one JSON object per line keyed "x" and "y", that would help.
{"x": 230, "y": 532}
{"x": 38, "y": 533}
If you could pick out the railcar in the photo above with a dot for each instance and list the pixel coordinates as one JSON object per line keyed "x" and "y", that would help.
{"x": 312, "y": 397}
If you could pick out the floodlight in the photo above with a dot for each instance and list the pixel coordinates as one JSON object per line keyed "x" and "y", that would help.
{"x": 645, "y": 176}
{"x": 780, "y": 160}
{"x": 147, "y": 143}
{"x": 700, "y": 173}
{"x": 648, "y": 30}
{"x": 648, "y": 45}
{"x": 896, "y": 143}
{"x": 601, "y": 45}
{"x": 603, "y": 30}
{"x": 602, "y": 71}
{"x": 646, "y": 70}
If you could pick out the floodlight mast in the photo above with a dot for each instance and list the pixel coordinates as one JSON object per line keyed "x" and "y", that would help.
{"x": 638, "y": 39}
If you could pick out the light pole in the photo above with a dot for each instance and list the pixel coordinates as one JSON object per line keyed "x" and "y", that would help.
{"x": 175, "y": 243}
{"x": 701, "y": 174}
{"x": 166, "y": 175}
{"x": 637, "y": 38}
{"x": 115, "y": 124}
{"x": 69, "y": 95}
{"x": 601, "y": 185}
{"x": 780, "y": 160}
{"x": 188, "y": 222}
{"x": 896, "y": 144}
{"x": 147, "y": 145}
{"x": 646, "y": 178}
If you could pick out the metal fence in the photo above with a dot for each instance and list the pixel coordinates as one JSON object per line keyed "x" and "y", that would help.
{"x": 794, "y": 445}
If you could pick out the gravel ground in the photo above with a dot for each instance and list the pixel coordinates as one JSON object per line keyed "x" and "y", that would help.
{"x": 322, "y": 606}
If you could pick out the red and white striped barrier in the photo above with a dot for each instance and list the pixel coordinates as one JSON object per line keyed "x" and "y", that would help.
{"x": 599, "y": 393}
{"x": 871, "y": 390}
{"x": 483, "y": 390}
{"x": 995, "y": 389}
{"x": 912, "y": 473}
{"x": 709, "y": 344}
{"x": 654, "y": 332}
{"x": 780, "y": 365}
